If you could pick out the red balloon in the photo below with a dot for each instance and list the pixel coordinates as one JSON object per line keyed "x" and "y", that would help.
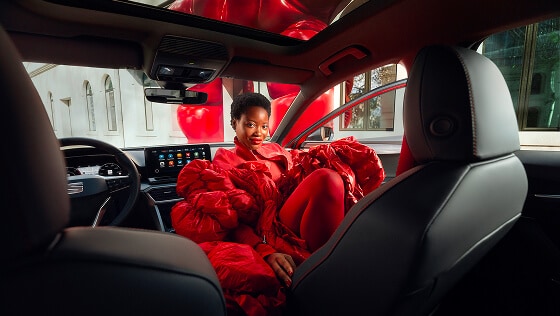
{"x": 279, "y": 106}
{"x": 304, "y": 29}
{"x": 248, "y": 86}
{"x": 271, "y": 15}
{"x": 323, "y": 105}
{"x": 201, "y": 123}
{"x": 223, "y": 10}
{"x": 213, "y": 89}
{"x": 277, "y": 90}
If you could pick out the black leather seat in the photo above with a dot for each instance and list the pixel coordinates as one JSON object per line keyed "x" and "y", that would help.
{"x": 47, "y": 269}
{"x": 401, "y": 248}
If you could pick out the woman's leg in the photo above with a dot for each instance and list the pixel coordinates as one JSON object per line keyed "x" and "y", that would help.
{"x": 316, "y": 207}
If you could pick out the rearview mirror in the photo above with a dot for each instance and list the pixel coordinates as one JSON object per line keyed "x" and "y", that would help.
{"x": 175, "y": 96}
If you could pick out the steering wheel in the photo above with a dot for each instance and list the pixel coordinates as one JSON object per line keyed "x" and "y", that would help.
{"x": 91, "y": 195}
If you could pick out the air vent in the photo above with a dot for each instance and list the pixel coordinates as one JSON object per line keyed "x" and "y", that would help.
{"x": 191, "y": 48}
{"x": 164, "y": 194}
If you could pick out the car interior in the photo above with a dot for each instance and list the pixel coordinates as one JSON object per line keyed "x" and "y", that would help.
{"x": 466, "y": 223}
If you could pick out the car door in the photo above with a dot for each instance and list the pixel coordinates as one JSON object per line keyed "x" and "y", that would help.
{"x": 521, "y": 275}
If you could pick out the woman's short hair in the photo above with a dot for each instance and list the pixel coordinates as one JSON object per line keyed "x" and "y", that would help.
{"x": 243, "y": 101}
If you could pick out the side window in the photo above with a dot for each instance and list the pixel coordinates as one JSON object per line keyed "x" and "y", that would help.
{"x": 376, "y": 114}
{"x": 529, "y": 59}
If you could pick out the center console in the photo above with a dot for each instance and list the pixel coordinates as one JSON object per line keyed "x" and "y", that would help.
{"x": 162, "y": 167}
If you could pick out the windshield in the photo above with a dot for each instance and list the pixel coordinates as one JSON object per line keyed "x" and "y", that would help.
{"x": 109, "y": 104}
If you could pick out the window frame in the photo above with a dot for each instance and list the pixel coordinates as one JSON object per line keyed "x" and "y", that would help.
{"x": 526, "y": 75}
{"x": 298, "y": 141}
{"x": 367, "y": 103}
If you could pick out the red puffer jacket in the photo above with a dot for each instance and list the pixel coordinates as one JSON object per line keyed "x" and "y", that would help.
{"x": 234, "y": 199}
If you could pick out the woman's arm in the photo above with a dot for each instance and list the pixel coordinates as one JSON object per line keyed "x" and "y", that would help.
{"x": 282, "y": 264}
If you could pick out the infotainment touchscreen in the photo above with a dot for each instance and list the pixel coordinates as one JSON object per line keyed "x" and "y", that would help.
{"x": 167, "y": 161}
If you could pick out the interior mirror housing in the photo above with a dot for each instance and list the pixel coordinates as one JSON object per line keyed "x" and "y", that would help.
{"x": 175, "y": 96}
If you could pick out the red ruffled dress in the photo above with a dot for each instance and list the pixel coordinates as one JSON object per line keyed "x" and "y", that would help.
{"x": 231, "y": 205}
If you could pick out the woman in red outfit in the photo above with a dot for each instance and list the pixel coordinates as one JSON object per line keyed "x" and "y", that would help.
{"x": 258, "y": 200}
{"x": 315, "y": 207}
{"x": 258, "y": 210}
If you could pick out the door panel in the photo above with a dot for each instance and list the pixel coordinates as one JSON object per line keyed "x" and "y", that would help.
{"x": 521, "y": 275}
{"x": 543, "y": 197}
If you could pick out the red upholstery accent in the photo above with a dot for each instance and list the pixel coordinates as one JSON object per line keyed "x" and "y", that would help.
{"x": 406, "y": 161}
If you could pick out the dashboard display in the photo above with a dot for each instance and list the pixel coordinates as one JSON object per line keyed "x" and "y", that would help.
{"x": 167, "y": 161}
{"x": 110, "y": 169}
{"x": 106, "y": 170}
{"x": 89, "y": 170}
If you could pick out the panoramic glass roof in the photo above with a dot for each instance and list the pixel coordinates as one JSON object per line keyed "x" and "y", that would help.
{"x": 301, "y": 19}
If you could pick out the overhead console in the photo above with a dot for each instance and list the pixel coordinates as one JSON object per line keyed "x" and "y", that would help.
{"x": 164, "y": 163}
{"x": 188, "y": 61}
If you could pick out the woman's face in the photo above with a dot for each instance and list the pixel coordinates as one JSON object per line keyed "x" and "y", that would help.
{"x": 252, "y": 128}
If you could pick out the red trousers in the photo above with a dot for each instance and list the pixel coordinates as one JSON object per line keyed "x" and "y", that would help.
{"x": 316, "y": 207}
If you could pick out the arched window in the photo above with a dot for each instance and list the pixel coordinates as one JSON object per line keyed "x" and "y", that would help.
{"x": 50, "y": 108}
{"x": 148, "y": 112}
{"x": 90, "y": 107}
{"x": 110, "y": 104}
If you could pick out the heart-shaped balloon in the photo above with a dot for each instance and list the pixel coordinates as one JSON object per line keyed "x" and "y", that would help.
{"x": 204, "y": 123}
{"x": 201, "y": 123}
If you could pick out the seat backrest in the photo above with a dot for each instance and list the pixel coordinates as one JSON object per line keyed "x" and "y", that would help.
{"x": 402, "y": 247}
{"x": 49, "y": 269}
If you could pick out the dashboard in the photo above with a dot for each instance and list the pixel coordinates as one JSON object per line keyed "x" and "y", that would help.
{"x": 93, "y": 164}
{"x": 156, "y": 164}
{"x": 159, "y": 167}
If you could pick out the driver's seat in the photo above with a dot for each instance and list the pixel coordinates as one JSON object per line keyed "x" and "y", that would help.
{"x": 49, "y": 269}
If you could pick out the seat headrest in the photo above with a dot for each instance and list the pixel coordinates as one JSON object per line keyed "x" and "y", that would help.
{"x": 36, "y": 206}
{"x": 457, "y": 107}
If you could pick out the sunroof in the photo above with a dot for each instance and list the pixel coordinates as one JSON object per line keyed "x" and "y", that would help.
{"x": 301, "y": 19}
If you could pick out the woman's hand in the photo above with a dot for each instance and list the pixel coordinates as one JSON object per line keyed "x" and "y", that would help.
{"x": 283, "y": 266}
